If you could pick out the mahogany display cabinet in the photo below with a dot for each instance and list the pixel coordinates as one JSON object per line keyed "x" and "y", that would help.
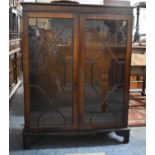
{"x": 76, "y": 62}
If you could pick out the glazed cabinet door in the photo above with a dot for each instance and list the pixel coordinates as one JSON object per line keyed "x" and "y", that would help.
{"x": 51, "y": 92}
{"x": 104, "y": 70}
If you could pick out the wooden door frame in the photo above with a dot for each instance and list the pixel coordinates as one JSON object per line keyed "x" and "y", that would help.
{"x": 83, "y": 18}
{"x": 25, "y": 46}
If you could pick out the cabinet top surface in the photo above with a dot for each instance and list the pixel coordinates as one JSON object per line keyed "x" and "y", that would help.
{"x": 67, "y": 7}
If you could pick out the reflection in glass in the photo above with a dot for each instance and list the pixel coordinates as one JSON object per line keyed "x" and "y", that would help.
{"x": 105, "y": 48}
{"x": 50, "y": 65}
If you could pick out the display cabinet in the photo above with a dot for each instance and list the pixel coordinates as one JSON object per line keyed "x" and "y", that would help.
{"x": 76, "y": 62}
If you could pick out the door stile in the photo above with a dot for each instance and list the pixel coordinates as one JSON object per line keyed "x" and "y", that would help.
{"x": 81, "y": 70}
{"x": 76, "y": 73}
{"x": 127, "y": 69}
{"x": 26, "y": 71}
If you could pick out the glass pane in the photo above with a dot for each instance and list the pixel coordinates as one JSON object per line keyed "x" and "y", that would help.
{"x": 104, "y": 64}
{"x": 51, "y": 71}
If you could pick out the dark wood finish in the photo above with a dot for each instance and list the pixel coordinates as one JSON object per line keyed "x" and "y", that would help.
{"x": 25, "y": 70}
{"x": 59, "y": 8}
{"x": 30, "y": 139}
{"x": 127, "y": 75}
{"x": 79, "y": 14}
